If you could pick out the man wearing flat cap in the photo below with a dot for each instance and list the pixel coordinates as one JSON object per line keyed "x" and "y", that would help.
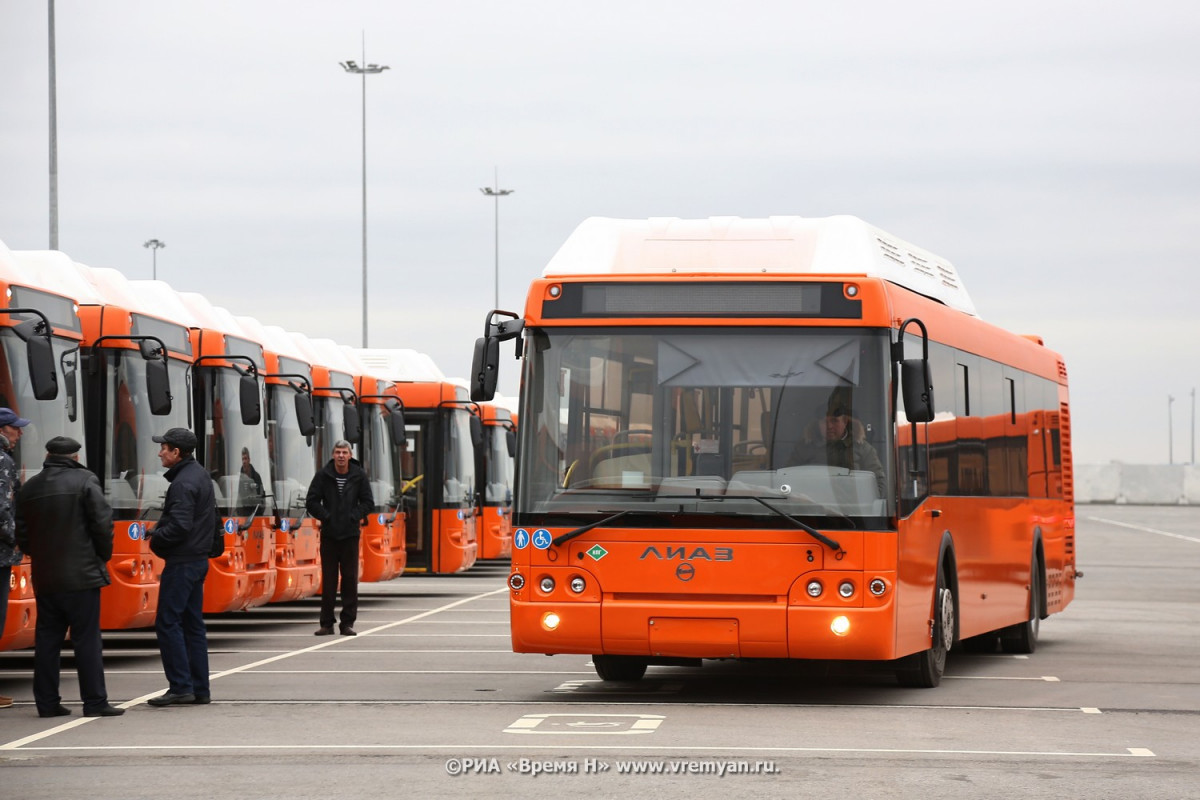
{"x": 182, "y": 537}
{"x": 11, "y": 426}
{"x": 64, "y": 524}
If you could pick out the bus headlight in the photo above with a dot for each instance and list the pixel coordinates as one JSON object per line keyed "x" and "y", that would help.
{"x": 840, "y": 626}
{"x": 846, "y": 589}
{"x": 877, "y": 587}
{"x": 546, "y": 584}
{"x": 814, "y": 588}
{"x": 516, "y": 581}
{"x": 550, "y": 621}
{"x": 578, "y": 584}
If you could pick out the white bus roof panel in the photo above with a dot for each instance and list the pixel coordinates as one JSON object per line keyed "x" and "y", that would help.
{"x": 838, "y": 245}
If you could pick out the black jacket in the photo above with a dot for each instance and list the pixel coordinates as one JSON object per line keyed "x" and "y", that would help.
{"x": 64, "y": 524}
{"x": 340, "y": 515}
{"x": 189, "y": 515}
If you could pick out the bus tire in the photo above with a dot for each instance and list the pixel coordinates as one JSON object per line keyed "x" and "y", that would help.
{"x": 619, "y": 668}
{"x": 924, "y": 670}
{"x": 1023, "y": 637}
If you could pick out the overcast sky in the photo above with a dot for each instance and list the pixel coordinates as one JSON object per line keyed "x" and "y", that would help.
{"x": 1048, "y": 149}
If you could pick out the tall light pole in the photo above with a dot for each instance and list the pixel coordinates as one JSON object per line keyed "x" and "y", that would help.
{"x": 154, "y": 245}
{"x": 53, "y": 138}
{"x": 1193, "y": 461}
{"x": 497, "y": 193}
{"x": 1170, "y": 434}
{"x": 365, "y": 70}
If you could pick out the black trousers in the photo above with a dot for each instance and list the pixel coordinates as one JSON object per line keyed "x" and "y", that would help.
{"x": 339, "y": 556}
{"x": 58, "y": 612}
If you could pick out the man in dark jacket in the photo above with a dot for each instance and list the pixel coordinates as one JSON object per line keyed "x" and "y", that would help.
{"x": 182, "y": 537}
{"x": 64, "y": 524}
{"x": 339, "y": 497}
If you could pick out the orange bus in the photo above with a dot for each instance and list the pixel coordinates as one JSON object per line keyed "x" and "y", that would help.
{"x": 39, "y": 329}
{"x": 135, "y": 375}
{"x": 750, "y": 439}
{"x": 438, "y": 461}
{"x": 227, "y": 393}
{"x": 381, "y": 414}
{"x": 290, "y": 430}
{"x": 494, "y": 466}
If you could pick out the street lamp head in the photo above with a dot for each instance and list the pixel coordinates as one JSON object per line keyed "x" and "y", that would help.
{"x": 349, "y": 66}
{"x": 490, "y": 192}
{"x": 367, "y": 69}
{"x": 155, "y": 244}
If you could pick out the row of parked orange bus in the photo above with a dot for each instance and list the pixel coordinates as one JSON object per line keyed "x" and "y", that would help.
{"x": 109, "y": 361}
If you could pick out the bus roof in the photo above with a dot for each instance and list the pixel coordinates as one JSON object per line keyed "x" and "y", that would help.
{"x": 786, "y": 245}
{"x": 401, "y": 364}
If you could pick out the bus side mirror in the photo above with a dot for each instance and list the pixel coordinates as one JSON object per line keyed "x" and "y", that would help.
{"x": 350, "y": 423}
{"x": 250, "y": 399}
{"x": 510, "y": 440}
{"x": 40, "y": 357}
{"x": 918, "y": 390}
{"x": 158, "y": 386}
{"x": 304, "y": 414}
{"x": 484, "y": 366}
{"x": 396, "y": 423}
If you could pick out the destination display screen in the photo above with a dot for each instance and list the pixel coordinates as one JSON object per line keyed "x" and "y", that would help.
{"x": 59, "y": 310}
{"x": 759, "y": 299}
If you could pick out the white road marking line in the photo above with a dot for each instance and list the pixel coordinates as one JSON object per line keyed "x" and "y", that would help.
{"x": 1145, "y": 529}
{"x": 454, "y": 747}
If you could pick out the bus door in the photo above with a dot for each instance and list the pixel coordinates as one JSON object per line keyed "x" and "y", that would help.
{"x": 439, "y": 490}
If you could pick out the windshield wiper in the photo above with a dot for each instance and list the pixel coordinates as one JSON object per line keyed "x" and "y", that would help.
{"x": 569, "y": 535}
{"x": 816, "y": 534}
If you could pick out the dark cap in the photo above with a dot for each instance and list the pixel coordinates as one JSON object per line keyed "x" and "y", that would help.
{"x": 180, "y": 438}
{"x": 9, "y": 417}
{"x": 62, "y": 446}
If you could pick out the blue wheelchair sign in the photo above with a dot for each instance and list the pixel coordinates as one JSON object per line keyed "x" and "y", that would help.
{"x": 541, "y": 539}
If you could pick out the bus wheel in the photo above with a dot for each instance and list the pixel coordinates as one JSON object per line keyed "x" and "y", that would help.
{"x": 1022, "y": 637}
{"x": 619, "y": 668}
{"x": 924, "y": 670}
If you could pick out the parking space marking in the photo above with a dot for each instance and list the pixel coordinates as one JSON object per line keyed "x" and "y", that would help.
{"x": 603, "y": 688}
{"x": 586, "y": 724}
{"x": 1045, "y": 678}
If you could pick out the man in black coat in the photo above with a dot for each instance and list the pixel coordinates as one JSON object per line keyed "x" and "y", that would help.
{"x": 339, "y": 497}
{"x": 183, "y": 537}
{"x": 64, "y": 524}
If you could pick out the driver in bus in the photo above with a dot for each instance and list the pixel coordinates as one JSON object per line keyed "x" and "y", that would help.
{"x": 839, "y": 440}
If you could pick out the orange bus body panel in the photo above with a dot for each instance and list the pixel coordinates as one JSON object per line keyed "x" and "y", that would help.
{"x": 21, "y": 620}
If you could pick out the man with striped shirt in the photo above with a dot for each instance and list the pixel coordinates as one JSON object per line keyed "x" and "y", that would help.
{"x": 339, "y": 498}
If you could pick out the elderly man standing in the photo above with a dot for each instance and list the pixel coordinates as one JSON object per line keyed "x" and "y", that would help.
{"x": 182, "y": 537}
{"x": 10, "y": 554}
{"x": 64, "y": 524}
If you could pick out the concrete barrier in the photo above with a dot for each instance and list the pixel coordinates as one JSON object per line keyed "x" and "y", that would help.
{"x": 1138, "y": 484}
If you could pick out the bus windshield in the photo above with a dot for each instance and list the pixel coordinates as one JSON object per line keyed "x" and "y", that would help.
{"x": 62, "y": 417}
{"x": 458, "y": 486}
{"x": 740, "y": 422}
{"x": 499, "y": 466}
{"x": 135, "y": 484}
{"x": 380, "y": 457}
{"x": 292, "y": 464}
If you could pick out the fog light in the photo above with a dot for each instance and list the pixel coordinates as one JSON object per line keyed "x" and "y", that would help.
{"x": 840, "y": 626}
{"x": 815, "y": 588}
{"x": 877, "y": 587}
{"x": 516, "y": 581}
{"x": 578, "y": 584}
{"x": 546, "y": 584}
{"x": 846, "y": 589}
{"x": 550, "y": 621}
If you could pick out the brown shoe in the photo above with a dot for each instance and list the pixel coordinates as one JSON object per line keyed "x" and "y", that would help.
{"x": 346, "y": 630}
{"x": 5, "y": 702}
{"x": 324, "y": 630}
